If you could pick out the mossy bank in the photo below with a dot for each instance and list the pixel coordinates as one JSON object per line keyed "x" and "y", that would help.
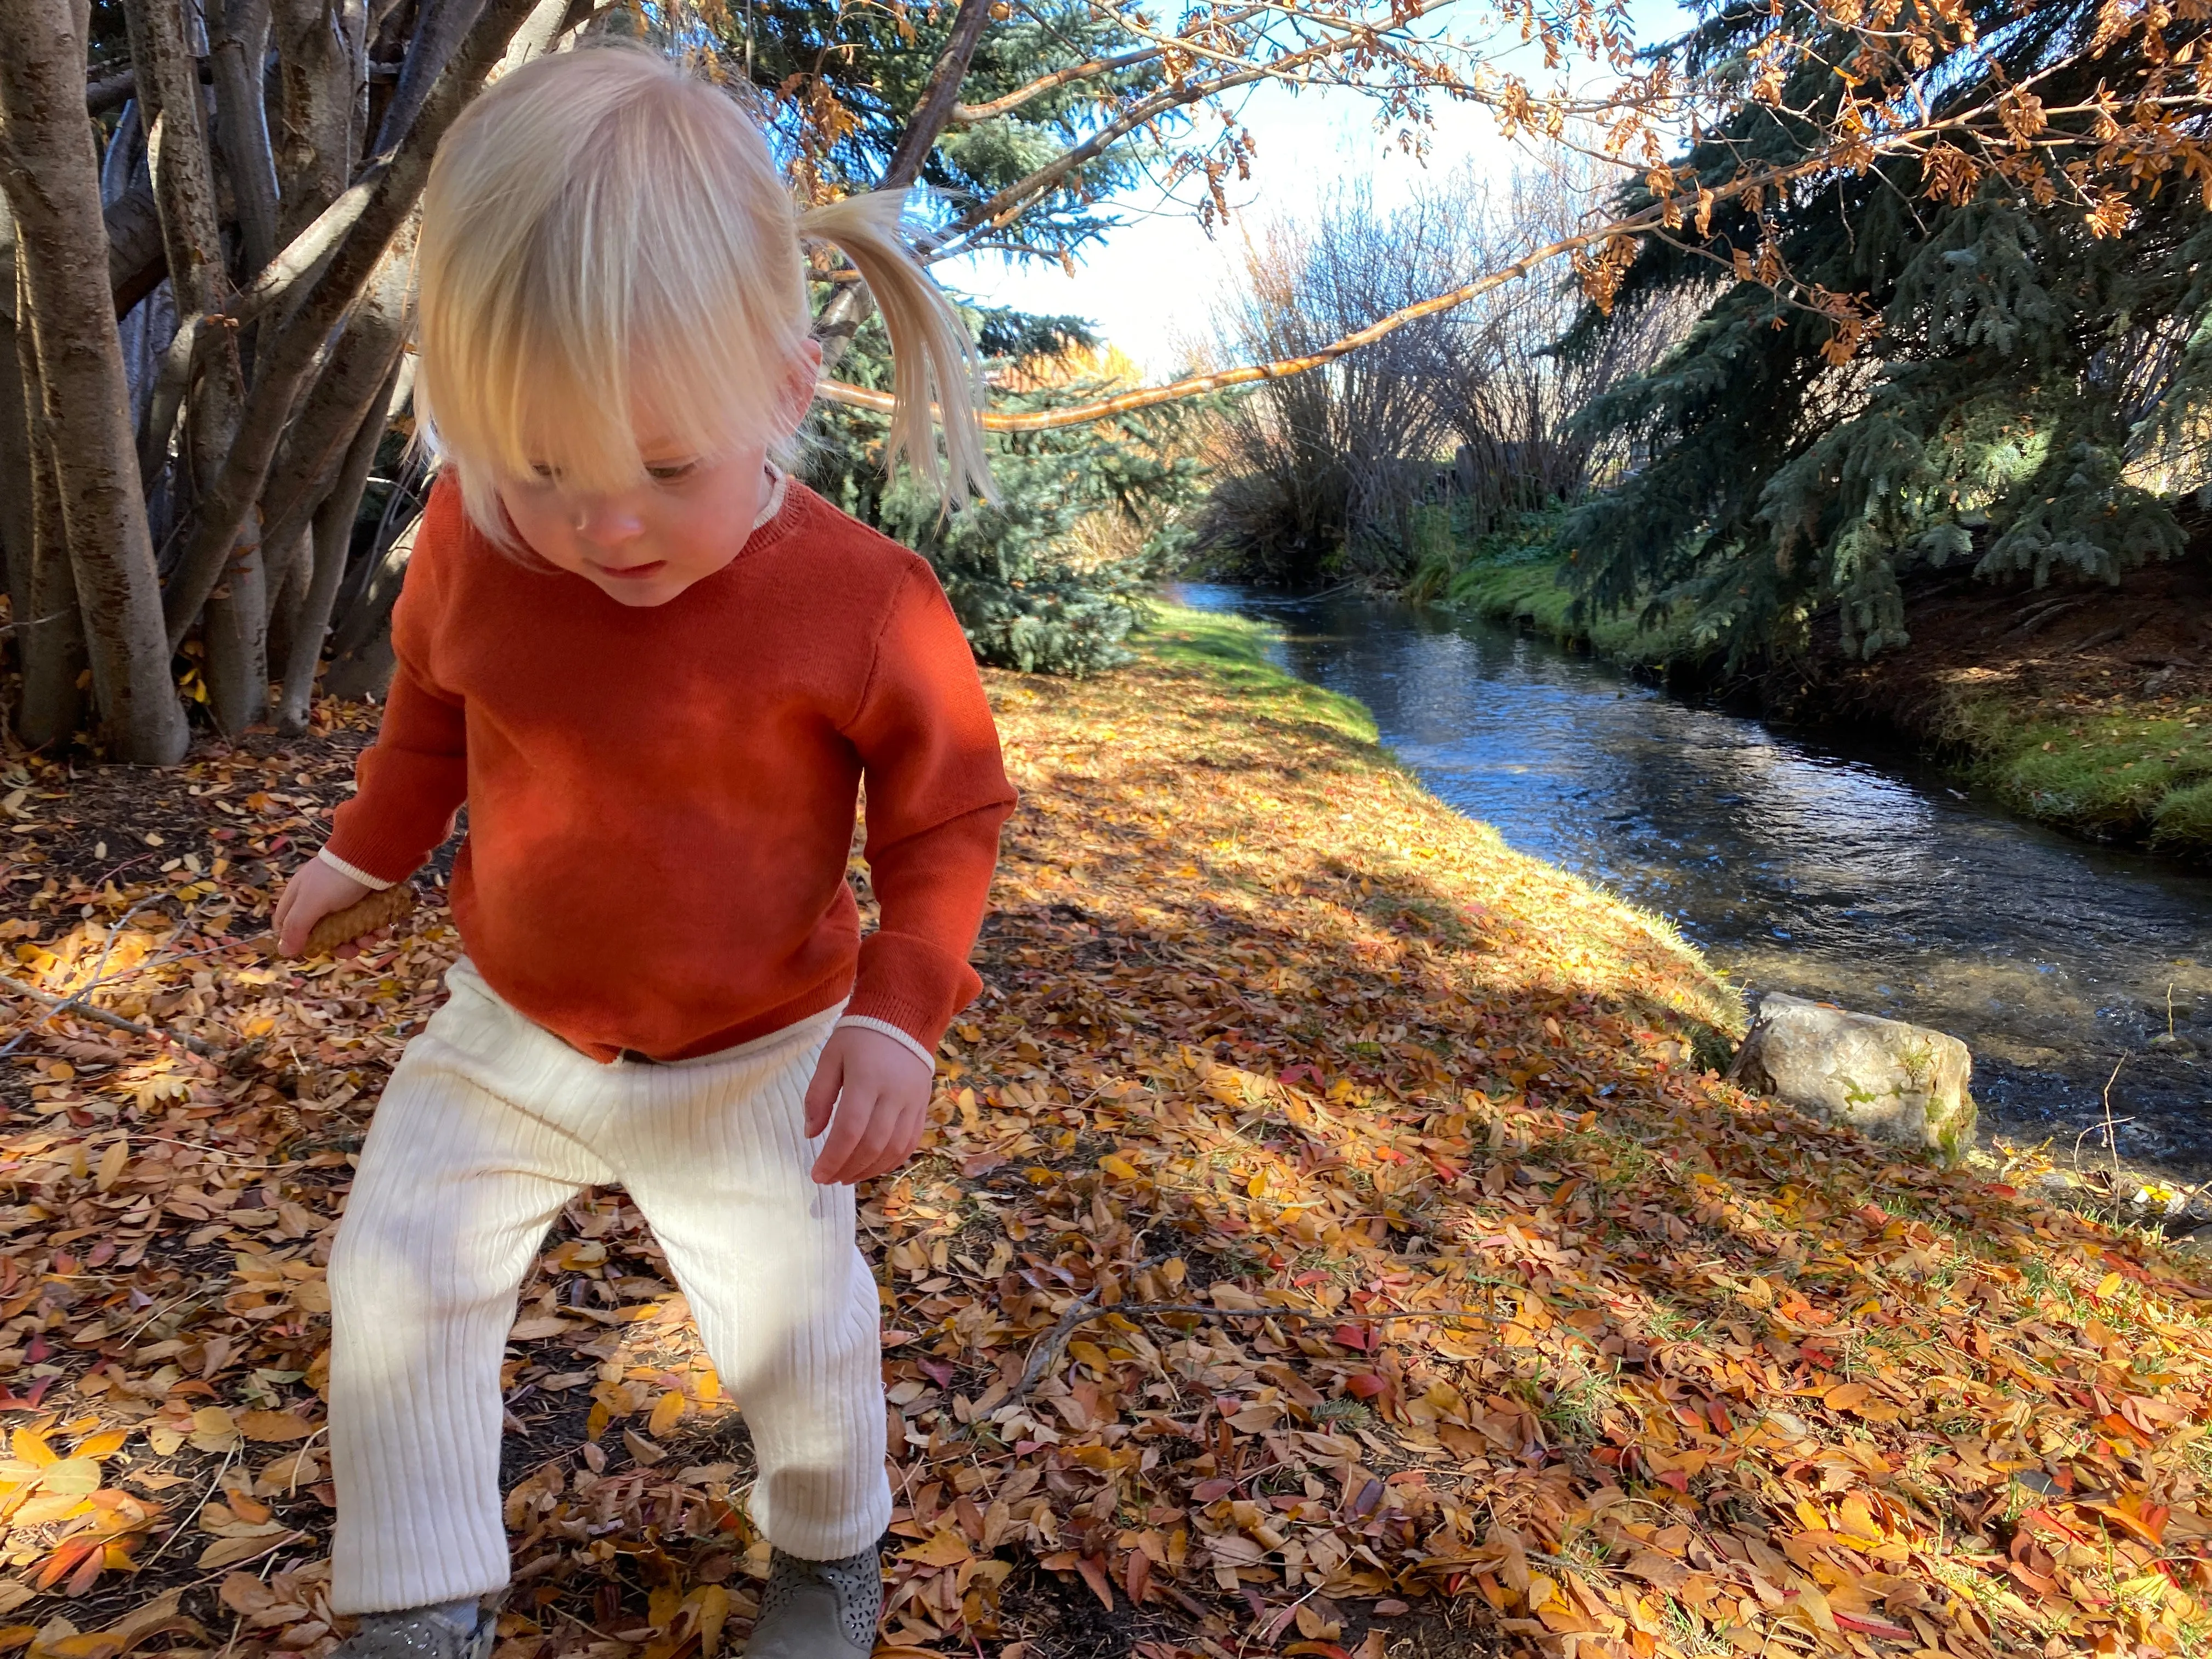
{"x": 2088, "y": 708}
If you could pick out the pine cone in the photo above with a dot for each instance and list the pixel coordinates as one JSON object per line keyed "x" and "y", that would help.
{"x": 377, "y": 910}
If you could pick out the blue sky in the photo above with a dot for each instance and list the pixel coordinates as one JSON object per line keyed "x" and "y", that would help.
{"x": 1153, "y": 284}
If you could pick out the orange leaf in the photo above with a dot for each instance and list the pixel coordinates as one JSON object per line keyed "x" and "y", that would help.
{"x": 273, "y": 1427}
{"x": 1845, "y": 1395}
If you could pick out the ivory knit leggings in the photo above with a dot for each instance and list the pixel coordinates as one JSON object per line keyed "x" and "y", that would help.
{"x": 487, "y": 1127}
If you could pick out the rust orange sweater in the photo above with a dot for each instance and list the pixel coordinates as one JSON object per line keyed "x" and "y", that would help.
{"x": 661, "y": 800}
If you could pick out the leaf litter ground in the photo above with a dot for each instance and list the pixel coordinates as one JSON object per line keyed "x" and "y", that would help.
{"x": 1332, "y": 1240}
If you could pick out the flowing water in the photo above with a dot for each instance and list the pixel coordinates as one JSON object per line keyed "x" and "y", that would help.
{"x": 1859, "y": 875}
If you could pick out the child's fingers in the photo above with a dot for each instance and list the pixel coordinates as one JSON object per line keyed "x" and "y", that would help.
{"x": 847, "y": 1130}
{"x": 899, "y": 1145}
{"x": 822, "y": 1092}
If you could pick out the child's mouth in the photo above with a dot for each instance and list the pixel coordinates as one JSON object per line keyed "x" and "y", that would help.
{"x": 632, "y": 571}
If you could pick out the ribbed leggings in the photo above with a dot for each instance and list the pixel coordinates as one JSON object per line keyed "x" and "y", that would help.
{"x": 489, "y": 1125}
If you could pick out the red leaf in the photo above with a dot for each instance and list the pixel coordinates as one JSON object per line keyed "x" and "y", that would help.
{"x": 1094, "y": 1574}
{"x": 1871, "y": 1627}
{"x": 1137, "y": 1577}
{"x": 1366, "y": 1384}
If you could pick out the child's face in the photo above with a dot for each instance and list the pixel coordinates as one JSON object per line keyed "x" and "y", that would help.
{"x": 642, "y": 546}
{"x": 645, "y": 545}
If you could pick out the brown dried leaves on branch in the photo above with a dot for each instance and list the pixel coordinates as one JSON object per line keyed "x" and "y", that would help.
{"x": 1513, "y": 1324}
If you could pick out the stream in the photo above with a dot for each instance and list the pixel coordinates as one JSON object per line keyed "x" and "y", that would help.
{"x": 1853, "y": 872}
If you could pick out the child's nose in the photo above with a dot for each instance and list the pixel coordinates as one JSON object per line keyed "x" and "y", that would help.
{"x": 609, "y": 522}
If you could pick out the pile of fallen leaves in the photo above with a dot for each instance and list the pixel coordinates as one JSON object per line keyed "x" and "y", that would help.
{"x": 1332, "y": 1240}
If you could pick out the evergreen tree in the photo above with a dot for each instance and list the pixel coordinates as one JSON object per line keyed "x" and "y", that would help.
{"x": 2022, "y": 399}
{"x": 1032, "y": 590}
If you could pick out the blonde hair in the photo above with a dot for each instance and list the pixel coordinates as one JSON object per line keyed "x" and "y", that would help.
{"x": 606, "y": 233}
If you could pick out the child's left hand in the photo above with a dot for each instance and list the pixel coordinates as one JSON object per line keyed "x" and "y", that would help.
{"x": 880, "y": 1089}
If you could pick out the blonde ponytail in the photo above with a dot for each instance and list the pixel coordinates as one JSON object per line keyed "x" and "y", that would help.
{"x": 934, "y": 362}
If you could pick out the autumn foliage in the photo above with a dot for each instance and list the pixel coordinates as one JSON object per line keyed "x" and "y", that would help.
{"x": 1332, "y": 1240}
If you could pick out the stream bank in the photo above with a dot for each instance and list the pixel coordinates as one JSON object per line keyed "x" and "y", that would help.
{"x": 2080, "y": 705}
{"x": 1861, "y": 874}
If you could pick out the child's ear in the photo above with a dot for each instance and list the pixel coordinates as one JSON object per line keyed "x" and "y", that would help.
{"x": 798, "y": 384}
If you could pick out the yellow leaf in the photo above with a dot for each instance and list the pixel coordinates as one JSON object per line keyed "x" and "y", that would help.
{"x": 1120, "y": 1168}
{"x": 1092, "y": 1355}
{"x": 2106, "y": 1286}
{"x": 713, "y": 1613}
{"x": 32, "y": 1448}
{"x": 104, "y": 1444}
{"x": 112, "y": 1162}
{"x": 538, "y": 1329}
{"x": 946, "y": 1549}
{"x": 76, "y": 1476}
{"x": 1857, "y": 1520}
{"x": 667, "y": 1412}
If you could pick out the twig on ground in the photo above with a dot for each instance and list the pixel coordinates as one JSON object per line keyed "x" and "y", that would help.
{"x": 57, "y": 1007}
{"x": 178, "y": 1531}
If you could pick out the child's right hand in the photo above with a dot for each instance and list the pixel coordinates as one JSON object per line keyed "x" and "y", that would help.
{"x": 315, "y": 890}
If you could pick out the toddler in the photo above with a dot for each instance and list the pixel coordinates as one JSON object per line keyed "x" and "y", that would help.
{"x": 657, "y": 669}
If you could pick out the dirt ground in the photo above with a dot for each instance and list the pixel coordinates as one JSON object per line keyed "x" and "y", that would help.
{"x": 2148, "y": 637}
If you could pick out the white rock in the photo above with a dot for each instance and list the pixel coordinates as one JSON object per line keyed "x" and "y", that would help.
{"x": 1896, "y": 1082}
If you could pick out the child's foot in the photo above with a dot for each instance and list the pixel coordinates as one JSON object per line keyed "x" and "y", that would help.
{"x": 459, "y": 1630}
{"x": 818, "y": 1609}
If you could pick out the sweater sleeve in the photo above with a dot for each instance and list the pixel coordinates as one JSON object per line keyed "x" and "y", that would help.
{"x": 937, "y": 793}
{"x": 414, "y": 778}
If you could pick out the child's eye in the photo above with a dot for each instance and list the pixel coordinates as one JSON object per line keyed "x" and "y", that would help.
{"x": 672, "y": 470}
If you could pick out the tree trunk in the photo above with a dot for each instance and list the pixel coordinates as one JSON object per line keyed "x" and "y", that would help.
{"x": 234, "y": 630}
{"x": 357, "y": 373}
{"x": 238, "y": 41}
{"x": 361, "y": 660}
{"x": 41, "y": 596}
{"x": 318, "y": 56}
{"x": 52, "y": 182}
{"x": 332, "y": 540}
{"x": 15, "y": 440}
{"x": 286, "y": 362}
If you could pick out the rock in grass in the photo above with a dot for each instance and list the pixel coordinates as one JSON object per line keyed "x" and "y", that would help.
{"x": 1896, "y": 1082}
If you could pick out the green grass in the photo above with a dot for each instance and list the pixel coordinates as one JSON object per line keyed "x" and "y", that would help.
{"x": 1233, "y": 651}
{"x": 1521, "y": 577}
{"x": 2121, "y": 771}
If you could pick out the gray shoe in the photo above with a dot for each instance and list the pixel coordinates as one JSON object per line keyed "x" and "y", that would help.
{"x": 462, "y": 1631}
{"x": 818, "y": 1609}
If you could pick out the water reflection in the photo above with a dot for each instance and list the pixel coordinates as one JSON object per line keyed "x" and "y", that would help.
{"x": 1861, "y": 877}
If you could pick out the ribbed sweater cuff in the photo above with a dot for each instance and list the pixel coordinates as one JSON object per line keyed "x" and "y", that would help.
{"x": 376, "y": 883}
{"x": 368, "y": 850}
{"x": 906, "y": 981}
{"x": 884, "y": 1028}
